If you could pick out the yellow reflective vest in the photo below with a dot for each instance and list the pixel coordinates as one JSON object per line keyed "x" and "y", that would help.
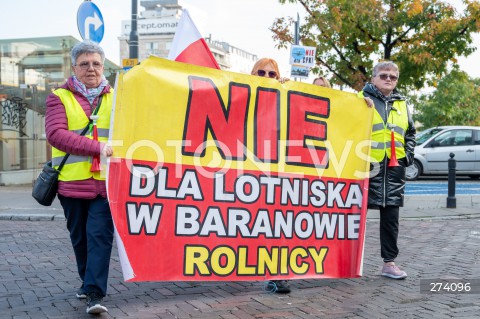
{"x": 77, "y": 167}
{"x": 381, "y": 132}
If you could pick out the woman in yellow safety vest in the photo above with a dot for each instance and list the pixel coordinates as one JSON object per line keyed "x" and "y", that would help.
{"x": 391, "y": 122}
{"x": 81, "y": 188}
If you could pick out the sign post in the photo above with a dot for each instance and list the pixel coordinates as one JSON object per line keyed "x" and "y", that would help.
{"x": 90, "y": 22}
{"x": 302, "y": 59}
{"x": 129, "y": 63}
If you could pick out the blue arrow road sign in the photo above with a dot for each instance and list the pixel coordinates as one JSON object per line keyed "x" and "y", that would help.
{"x": 90, "y": 22}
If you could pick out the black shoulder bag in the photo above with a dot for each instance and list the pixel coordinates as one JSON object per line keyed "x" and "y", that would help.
{"x": 46, "y": 185}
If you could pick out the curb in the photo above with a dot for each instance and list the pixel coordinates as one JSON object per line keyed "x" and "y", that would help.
{"x": 61, "y": 217}
{"x": 32, "y": 217}
{"x": 450, "y": 217}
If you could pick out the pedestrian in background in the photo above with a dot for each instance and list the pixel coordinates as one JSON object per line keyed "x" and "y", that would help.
{"x": 81, "y": 187}
{"x": 322, "y": 81}
{"x": 392, "y": 149}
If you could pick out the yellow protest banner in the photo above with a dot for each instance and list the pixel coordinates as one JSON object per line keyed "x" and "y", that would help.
{"x": 238, "y": 176}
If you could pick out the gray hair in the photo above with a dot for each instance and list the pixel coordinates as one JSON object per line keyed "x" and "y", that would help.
{"x": 385, "y": 65}
{"x": 86, "y": 47}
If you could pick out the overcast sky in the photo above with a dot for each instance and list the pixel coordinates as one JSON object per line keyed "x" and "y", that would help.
{"x": 242, "y": 23}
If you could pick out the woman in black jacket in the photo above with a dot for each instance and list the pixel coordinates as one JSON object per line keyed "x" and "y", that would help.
{"x": 392, "y": 125}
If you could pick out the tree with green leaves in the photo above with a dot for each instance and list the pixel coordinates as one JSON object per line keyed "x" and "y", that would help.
{"x": 424, "y": 37}
{"x": 456, "y": 101}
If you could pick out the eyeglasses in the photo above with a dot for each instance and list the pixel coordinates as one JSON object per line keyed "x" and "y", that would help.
{"x": 384, "y": 76}
{"x": 86, "y": 65}
{"x": 271, "y": 74}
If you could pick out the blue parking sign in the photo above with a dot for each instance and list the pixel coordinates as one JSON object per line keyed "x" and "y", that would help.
{"x": 90, "y": 22}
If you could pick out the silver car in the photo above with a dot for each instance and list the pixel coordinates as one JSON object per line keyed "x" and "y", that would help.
{"x": 433, "y": 150}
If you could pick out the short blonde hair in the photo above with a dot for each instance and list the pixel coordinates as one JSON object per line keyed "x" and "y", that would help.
{"x": 326, "y": 83}
{"x": 263, "y": 62}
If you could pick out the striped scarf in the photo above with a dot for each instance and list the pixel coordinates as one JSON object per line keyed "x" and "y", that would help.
{"x": 92, "y": 93}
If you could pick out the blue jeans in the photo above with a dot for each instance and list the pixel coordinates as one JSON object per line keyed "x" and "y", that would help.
{"x": 90, "y": 224}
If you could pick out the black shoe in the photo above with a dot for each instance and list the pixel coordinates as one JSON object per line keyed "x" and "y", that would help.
{"x": 81, "y": 294}
{"x": 278, "y": 286}
{"x": 94, "y": 303}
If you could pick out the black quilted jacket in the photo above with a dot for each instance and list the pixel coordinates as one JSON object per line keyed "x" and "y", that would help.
{"x": 387, "y": 184}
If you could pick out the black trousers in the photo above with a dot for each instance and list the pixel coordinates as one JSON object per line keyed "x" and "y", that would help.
{"x": 91, "y": 231}
{"x": 389, "y": 232}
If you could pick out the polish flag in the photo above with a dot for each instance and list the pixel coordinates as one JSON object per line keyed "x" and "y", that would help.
{"x": 189, "y": 46}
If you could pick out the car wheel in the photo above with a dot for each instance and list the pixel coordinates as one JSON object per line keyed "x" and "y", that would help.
{"x": 413, "y": 171}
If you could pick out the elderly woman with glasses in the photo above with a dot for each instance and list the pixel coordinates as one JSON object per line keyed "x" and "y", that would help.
{"x": 393, "y": 144}
{"x": 76, "y": 123}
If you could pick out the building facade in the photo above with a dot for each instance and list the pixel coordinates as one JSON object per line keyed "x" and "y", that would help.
{"x": 29, "y": 70}
{"x": 156, "y": 27}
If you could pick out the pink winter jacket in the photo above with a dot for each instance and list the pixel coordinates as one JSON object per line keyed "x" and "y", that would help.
{"x": 58, "y": 135}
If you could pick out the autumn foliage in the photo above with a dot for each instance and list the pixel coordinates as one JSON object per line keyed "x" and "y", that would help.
{"x": 424, "y": 37}
{"x": 454, "y": 102}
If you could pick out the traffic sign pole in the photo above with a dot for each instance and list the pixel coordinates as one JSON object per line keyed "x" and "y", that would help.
{"x": 133, "y": 40}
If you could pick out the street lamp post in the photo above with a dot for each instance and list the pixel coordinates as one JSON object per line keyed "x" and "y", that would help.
{"x": 133, "y": 41}
{"x": 297, "y": 30}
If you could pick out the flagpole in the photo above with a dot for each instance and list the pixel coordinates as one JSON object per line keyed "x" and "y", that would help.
{"x": 133, "y": 41}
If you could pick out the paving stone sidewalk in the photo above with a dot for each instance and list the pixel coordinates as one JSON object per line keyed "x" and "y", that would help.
{"x": 38, "y": 280}
{"x": 38, "y": 275}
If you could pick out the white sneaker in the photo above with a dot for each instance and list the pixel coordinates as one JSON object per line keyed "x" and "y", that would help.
{"x": 94, "y": 304}
{"x": 392, "y": 271}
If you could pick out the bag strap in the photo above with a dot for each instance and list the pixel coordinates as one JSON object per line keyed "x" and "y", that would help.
{"x": 85, "y": 130}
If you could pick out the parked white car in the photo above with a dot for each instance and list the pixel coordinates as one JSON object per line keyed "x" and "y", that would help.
{"x": 433, "y": 150}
